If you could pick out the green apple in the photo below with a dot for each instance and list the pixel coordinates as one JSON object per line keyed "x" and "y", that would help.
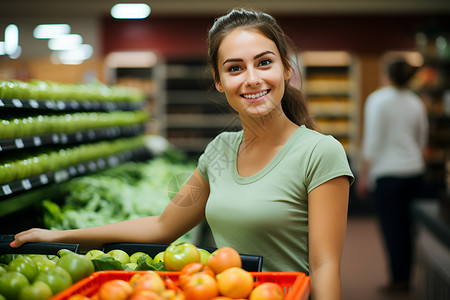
{"x": 158, "y": 258}
{"x": 94, "y": 253}
{"x": 135, "y": 256}
{"x": 177, "y": 255}
{"x": 204, "y": 255}
{"x": 120, "y": 255}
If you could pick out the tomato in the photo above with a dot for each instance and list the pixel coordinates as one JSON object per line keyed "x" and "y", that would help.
{"x": 191, "y": 269}
{"x": 78, "y": 297}
{"x": 78, "y": 266}
{"x": 38, "y": 290}
{"x": 11, "y": 283}
{"x": 115, "y": 289}
{"x": 57, "y": 278}
{"x": 224, "y": 258}
{"x": 267, "y": 291}
{"x": 200, "y": 286}
{"x": 176, "y": 256}
{"x": 150, "y": 281}
{"x": 25, "y": 265}
{"x": 235, "y": 283}
{"x": 146, "y": 295}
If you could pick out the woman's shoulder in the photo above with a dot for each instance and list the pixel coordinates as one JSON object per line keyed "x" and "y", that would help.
{"x": 317, "y": 140}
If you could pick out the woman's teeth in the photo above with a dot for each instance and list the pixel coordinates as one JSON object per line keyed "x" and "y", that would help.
{"x": 254, "y": 96}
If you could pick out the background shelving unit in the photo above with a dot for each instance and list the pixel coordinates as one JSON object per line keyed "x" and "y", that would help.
{"x": 44, "y": 143}
{"x": 196, "y": 112}
{"x": 330, "y": 85}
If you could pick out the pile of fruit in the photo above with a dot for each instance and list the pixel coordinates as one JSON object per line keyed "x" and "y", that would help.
{"x": 39, "y": 277}
{"x": 200, "y": 275}
{"x": 219, "y": 277}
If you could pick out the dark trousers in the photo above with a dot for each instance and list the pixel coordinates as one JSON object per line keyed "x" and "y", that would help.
{"x": 393, "y": 196}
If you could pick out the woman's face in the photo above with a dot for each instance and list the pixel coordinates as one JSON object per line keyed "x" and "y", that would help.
{"x": 251, "y": 73}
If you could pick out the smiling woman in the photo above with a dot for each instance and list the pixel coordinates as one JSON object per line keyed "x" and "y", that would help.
{"x": 274, "y": 189}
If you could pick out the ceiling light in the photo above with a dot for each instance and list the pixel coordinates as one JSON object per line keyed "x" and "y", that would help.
{"x": 11, "y": 39}
{"x": 130, "y": 11}
{"x": 65, "y": 42}
{"x": 48, "y": 31}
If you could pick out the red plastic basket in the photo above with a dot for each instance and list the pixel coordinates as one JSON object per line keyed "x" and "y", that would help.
{"x": 296, "y": 285}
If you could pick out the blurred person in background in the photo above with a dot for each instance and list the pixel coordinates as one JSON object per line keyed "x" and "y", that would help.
{"x": 395, "y": 134}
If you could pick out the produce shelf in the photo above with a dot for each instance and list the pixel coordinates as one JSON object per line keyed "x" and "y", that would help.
{"x": 71, "y": 138}
{"x": 9, "y": 204}
{"x": 69, "y": 105}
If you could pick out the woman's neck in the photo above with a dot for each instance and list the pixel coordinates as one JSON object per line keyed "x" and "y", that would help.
{"x": 269, "y": 130}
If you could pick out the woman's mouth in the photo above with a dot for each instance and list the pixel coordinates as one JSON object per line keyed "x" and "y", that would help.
{"x": 253, "y": 97}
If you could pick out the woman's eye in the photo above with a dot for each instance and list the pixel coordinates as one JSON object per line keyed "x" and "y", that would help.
{"x": 265, "y": 62}
{"x": 234, "y": 69}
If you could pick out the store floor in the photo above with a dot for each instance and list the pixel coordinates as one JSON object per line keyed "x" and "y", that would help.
{"x": 364, "y": 268}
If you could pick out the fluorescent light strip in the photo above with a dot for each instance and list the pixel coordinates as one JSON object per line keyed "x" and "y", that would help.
{"x": 65, "y": 42}
{"x": 11, "y": 39}
{"x": 130, "y": 11}
{"x": 49, "y": 31}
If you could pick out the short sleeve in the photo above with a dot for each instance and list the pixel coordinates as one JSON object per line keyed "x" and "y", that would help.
{"x": 328, "y": 160}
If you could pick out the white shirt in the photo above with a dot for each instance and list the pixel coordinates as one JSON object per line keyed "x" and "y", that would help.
{"x": 395, "y": 133}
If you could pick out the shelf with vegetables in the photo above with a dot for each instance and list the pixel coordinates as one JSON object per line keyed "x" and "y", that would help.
{"x": 41, "y": 145}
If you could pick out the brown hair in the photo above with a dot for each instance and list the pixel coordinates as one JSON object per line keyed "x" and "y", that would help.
{"x": 294, "y": 102}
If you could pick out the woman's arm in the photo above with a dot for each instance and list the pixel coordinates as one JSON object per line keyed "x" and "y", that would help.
{"x": 185, "y": 211}
{"x": 328, "y": 205}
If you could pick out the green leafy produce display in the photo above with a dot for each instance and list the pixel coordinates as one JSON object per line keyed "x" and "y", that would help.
{"x": 45, "y": 90}
{"x": 131, "y": 190}
{"x": 15, "y": 127}
{"x": 23, "y": 164}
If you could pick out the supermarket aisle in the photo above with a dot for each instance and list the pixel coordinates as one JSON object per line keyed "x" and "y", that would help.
{"x": 364, "y": 268}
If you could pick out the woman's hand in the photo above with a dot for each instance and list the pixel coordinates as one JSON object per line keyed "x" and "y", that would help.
{"x": 34, "y": 235}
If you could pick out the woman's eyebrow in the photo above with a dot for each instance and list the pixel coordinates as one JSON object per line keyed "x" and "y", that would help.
{"x": 255, "y": 57}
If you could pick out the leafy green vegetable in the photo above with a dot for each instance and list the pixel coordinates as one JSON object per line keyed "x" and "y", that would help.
{"x": 131, "y": 190}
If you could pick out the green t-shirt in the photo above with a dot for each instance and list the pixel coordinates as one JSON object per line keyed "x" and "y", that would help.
{"x": 267, "y": 213}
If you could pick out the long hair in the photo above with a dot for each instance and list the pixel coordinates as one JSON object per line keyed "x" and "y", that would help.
{"x": 294, "y": 103}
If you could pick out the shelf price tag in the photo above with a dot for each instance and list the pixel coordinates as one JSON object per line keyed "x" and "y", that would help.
{"x": 62, "y": 175}
{"x": 17, "y": 103}
{"x": 26, "y": 184}
{"x": 6, "y": 189}
{"x": 33, "y": 103}
{"x": 19, "y": 143}
{"x": 43, "y": 179}
{"x": 37, "y": 141}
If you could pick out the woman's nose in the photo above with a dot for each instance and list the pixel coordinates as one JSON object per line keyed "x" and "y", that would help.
{"x": 252, "y": 77}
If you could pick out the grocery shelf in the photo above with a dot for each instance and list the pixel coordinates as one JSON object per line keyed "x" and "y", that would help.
{"x": 10, "y": 204}
{"x": 69, "y": 105}
{"x": 70, "y": 138}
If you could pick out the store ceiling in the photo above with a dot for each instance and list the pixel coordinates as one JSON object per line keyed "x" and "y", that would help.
{"x": 11, "y": 9}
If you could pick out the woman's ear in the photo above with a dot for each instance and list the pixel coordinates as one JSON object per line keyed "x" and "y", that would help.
{"x": 288, "y": 73}
{"x": 219, "y": 87}
{"x": 217, "y": 83}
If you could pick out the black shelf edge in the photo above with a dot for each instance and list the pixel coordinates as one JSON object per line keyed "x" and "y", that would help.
{"x": 68, "y": 105}
{"x": 71, "y": 138}
{"x": 62, "y": 175}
